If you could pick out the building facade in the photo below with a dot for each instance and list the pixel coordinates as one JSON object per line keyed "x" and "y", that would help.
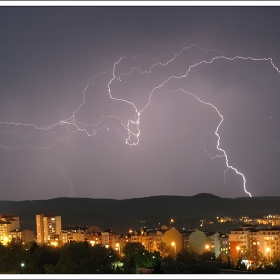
{"x": 255, "y": 242}
{"x": 24, "y": 235}
{"x": 8, "y": 223}
{"x": 72, "y": 233}
{"x": 224, "y": 245}
{"x": 48, "y": 227}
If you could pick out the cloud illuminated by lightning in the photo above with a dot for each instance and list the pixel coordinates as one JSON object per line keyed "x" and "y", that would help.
{"x": 72, "y": 125}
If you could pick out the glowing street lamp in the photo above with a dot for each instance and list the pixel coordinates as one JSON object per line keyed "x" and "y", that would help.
{"x": 268, "y": 252}
{"x": 6, "y": 239}
{"x": 173, "y": 244}
{"x": 207, "y": 247}
{"x": 21, "y": 267}
{"x": 237, "y": 249}
{"x": 54, "y": 243}
{"x": 118, "y": 247}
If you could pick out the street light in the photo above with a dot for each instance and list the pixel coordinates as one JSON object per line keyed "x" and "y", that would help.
{"x": 21, "y": 267}
{"x": 173, "y": 244}
{"x": 268, "y": 252}
{"x": 207, "y": 247}
{"x": 237, "y": 251}
{"x": 118, "y": 247}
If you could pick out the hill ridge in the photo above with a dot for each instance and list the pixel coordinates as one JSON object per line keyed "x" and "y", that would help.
{"x": 120, "y": 215}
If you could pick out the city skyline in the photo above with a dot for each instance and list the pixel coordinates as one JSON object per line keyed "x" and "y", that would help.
{"x": 136, "y": 101}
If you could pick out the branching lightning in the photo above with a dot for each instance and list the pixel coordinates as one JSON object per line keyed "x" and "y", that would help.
{"x": 224, "y": 154}
{"x": 72, "y": 125}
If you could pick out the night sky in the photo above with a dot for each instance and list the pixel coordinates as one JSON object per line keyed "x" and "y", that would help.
{"x": 124, "y": 101}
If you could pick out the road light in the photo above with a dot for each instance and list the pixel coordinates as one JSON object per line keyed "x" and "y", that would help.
{"x": 21, "y": 267}
{"x": 268, "y": 252}
{"x": 207, "y": 247}
{"x": 238, "y": 251}
{"x": 173, "y": 244}
{"x": 118, "y": 247}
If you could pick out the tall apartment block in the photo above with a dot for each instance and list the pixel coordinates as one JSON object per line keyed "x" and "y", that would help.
{"x": 48, "y": 227}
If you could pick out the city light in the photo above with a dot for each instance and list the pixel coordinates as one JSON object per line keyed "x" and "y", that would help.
{"x": 268, "y": 252}
{"x": 5, "y": 240}
{"x": 54, "y": 243}
{"x": 151, "y": 241}
{"x": 118, "y": 247}
{"x": 173, "y": 244}
{"x": 237, "y": 249}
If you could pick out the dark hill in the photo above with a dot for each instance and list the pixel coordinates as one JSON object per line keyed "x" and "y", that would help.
{"x": 120, "y": 215}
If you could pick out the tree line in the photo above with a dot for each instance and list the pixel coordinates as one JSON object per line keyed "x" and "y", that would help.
{"x": 82, "y": 258}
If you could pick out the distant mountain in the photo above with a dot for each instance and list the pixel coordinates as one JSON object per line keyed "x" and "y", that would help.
{"x": 154, "y": 211}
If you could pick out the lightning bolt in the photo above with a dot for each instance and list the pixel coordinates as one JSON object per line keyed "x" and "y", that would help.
{"x": 224, "y": 154}
{"x": 63, "y": 172}
{"x": 129, "y": 130}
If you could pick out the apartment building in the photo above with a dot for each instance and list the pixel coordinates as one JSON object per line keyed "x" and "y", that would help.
{"x": 153, "y": 240}
{"x": 48, "y": 227}
{"x": 268, "y": 245}
{"x": 8, "y": 223}
{"x": 185, "y": 235}
{"x": 24, "y": 235}
{"x": 239, "y": 241}
{"x": 112, "y": 240}
{"x": 93, "y": 235}
{"x": 72, "y": 233}
{"x": 255, "y": 242}
{"x": 224, "y": 244}
{"x": 149, "y": 238}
